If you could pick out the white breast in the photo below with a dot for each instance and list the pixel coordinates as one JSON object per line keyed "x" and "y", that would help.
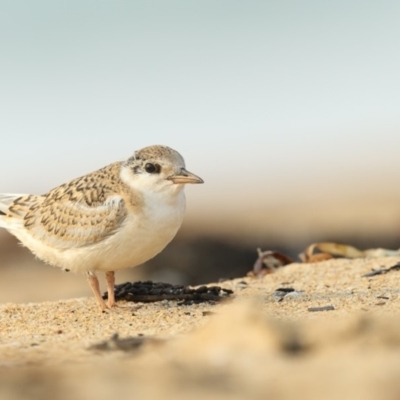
{"x": 141, "y": 237}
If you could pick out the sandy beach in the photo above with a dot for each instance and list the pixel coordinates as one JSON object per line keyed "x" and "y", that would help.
{"x": 260, "y": 343}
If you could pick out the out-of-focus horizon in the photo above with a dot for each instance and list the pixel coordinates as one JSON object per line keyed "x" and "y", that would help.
{"x": 288, "y": 110}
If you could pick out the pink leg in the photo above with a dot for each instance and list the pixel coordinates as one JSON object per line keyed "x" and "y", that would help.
{"x": 110, "y": 277}
{"x": 94, "y": 284}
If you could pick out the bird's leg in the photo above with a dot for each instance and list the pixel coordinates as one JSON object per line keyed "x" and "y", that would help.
{"x": 94, "y": 284}
{"x": 110, "y": 277}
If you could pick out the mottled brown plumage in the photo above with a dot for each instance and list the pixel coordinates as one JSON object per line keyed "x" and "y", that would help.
{"x": 83, "y": 202}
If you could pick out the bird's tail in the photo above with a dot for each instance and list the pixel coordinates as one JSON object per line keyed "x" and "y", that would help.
{"x": 5, "y": 200}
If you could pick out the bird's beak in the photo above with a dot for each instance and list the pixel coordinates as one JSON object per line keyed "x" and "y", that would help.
{"x": 185, "y": 177}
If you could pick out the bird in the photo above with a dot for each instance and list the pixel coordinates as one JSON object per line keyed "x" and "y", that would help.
{"x": 117, "y": 217}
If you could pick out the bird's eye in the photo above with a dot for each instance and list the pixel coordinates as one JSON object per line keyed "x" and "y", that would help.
{"x": 152, "y": 168}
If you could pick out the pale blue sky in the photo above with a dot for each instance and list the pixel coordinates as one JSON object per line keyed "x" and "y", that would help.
{"x": 273, "y": 93}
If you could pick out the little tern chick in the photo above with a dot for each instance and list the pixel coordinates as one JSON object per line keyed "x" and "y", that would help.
{"x": 117, "y": 217}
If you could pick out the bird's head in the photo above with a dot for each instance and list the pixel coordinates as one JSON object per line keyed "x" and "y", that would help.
{"x": 157, "y": 168}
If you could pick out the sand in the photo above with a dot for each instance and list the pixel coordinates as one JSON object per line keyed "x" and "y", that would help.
{"x": 257, "y": 345}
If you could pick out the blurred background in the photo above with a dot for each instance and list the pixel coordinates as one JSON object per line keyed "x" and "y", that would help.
{"x": 288, "y": 110}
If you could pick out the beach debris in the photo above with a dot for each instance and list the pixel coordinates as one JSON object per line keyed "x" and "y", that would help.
{"x": 269, "y": 261}
{"x": 283, "y": 292}
{"x": 207, "y": 313}
{"x": 329, "y": 250}
{"x": 382, "y": 271}
{"x": 125, "y": 344}
{"x": 323, "y": 308}
{"x": 148, "y": 291}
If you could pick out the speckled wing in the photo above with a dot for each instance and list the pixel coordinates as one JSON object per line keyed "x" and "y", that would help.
{"x": 74, "y": 215}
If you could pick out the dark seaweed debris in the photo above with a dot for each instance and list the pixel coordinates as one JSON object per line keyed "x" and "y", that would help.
{"x": 126, "y": 344}
{"x": 382, "y": 271}
{"x": 149, "y": 291}
{"x": 324, "y": 308}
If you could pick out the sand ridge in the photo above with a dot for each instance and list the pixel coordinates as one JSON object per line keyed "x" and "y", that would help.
{"x": 258, "y": 344}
